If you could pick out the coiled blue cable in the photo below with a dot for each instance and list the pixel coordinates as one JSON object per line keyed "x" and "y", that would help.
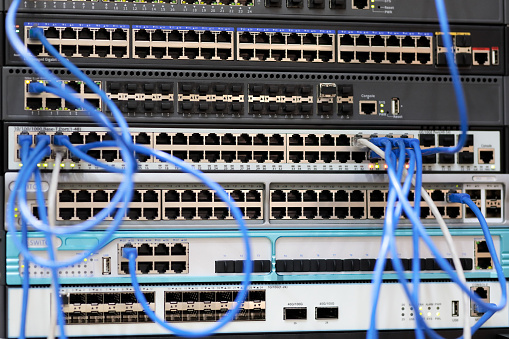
{"x": 126, "y": 147}
{"x": 491, "y": 308}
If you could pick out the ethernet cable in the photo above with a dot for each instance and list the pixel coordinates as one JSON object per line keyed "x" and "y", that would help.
{"x": 490, "y": 308}
{"x": 440, "y": 221}
{"x": 458, "y": 88}
{"x": 235, "y": 211}
{"x": 52, "y": 197}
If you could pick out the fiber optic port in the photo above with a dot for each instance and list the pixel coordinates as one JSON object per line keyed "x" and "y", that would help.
{"x": 295, "y": 313}
{"x": 368, "y": 107}
{"x": 326, "y": 313}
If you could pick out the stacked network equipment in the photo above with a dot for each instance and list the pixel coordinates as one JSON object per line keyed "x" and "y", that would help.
{"x": 269, "y": 99}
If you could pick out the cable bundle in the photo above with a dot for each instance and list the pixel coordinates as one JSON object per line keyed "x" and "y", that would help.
{"x": 119, "y": 204}
{"x": 395, "y": 151}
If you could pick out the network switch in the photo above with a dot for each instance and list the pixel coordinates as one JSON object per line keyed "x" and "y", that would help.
{"x": 218, "y": 256}
{"x": 253, "y": 44}
{"x": 398, "y": 10}
{"x": 285, "y": 201}
{"x": 267, "y": 150}
{"x": 269, "y": 308}
{"x": 258, "y": 97}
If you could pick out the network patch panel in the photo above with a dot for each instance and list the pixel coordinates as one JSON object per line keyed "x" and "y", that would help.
{"x": 268, "y": 150}
{"x": 218, "y": 256}
{"x": 273, "y": 98}
{"x": 257, "y": 45}
{"x": 347, "y": 10}
{"x": 285, "y": 307}
{"x": 285, "y": 201}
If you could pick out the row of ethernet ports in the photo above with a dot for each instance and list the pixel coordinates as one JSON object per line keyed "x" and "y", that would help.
{"x": 187, "y": 53}
{"x": 85, "y": 33}
{"x": 82, "y": 51}
{"x": 363, "y": 40}
{"x": 152, "y": 214}
{"x": 352, "y": 213}
{"x": 277, "y": 38}
{"x": 385, "y": 57}
{"x": 170, "y": 196}
{"x": 163, "y": 35}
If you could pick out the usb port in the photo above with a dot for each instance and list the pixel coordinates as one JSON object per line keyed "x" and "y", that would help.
{"x": 455, "y": 308}
{"x": 106, "y": 265}
{"x": 494, "y": 56}
{"x": 395, "y": 106}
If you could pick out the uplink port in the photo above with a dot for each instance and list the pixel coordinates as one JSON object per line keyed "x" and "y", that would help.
{"x": 326, "y": 313}
{"x": 484, "y": 264}
{"x": 481, "y": 247}
{"x": 486, "y": 156}
{"x": 368, "y": 107}
{"x": 295, "y": 313}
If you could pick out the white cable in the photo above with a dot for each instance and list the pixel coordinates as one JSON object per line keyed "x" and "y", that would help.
{"x": 52, "y": 197}
{"x": 467, "y": 334}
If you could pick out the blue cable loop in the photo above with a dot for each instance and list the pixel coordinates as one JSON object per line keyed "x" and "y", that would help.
{"x": 126, "y": 147}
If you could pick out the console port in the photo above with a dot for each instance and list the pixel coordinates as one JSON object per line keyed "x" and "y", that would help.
{"x": 486, "y": 156}
{"x": 367, "y": 107}
{"x": 295, "y": 313}
{"x": 484, "y": 294}
{"x": 326, "y": 313}
{"x": 360, "y": 4}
